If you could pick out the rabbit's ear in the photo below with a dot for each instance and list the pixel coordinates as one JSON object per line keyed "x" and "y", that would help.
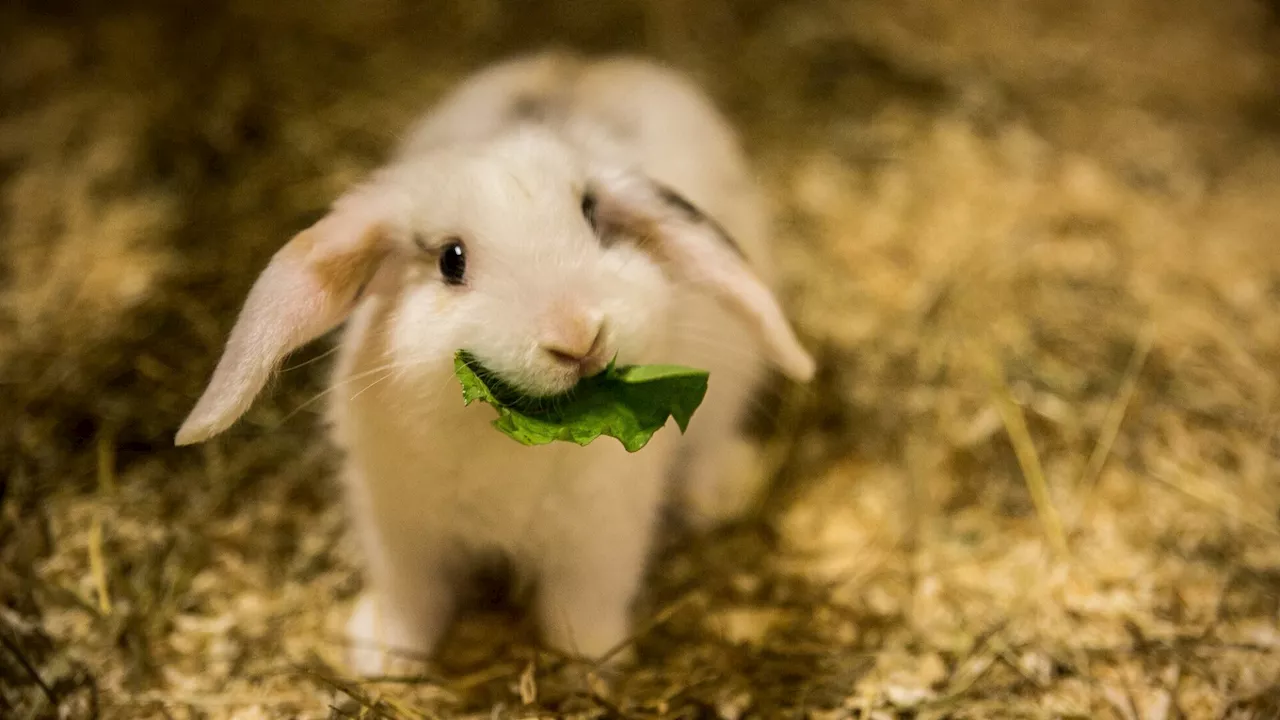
{"x": 308, "y": 288}
{"x": 695, "y": 249}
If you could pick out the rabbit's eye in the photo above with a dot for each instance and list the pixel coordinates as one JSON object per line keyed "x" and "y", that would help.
{"x": 453, "y": 262}
{"x": 589, "y": 209}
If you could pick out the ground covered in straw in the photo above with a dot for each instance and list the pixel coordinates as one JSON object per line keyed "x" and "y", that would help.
{"x": 1034, "y": 242}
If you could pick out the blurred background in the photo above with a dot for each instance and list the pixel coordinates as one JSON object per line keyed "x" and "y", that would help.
{"x": 1033, "y": 243}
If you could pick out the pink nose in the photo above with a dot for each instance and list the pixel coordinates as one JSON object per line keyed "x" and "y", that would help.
{"x": 574, "y": 340}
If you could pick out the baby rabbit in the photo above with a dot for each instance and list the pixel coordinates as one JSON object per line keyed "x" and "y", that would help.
{"x": 550, "y": 214}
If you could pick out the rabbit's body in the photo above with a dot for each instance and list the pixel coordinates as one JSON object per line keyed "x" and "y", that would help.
{"x": 432, "y": 484}
{"x": 434, "y": 487}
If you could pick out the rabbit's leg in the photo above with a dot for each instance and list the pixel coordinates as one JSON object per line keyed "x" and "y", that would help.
{"x": 590, "y": 576}
{"x": 404, "y": 611}
{"x": 585, "y": 607}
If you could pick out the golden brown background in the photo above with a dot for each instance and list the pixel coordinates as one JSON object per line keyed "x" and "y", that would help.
{"x": 1033, "y": 241}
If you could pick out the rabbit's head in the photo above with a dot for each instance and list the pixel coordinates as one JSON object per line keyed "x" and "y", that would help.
{"x": 540, "y": 265}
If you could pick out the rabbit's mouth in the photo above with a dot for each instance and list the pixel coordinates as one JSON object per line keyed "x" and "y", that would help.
{"x": 582, "y": 367}
{"x": 541, "y": 373}
{"x": 531, "y": 386}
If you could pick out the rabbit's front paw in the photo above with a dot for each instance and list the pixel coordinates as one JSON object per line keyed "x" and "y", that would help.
{"x": 381, "y": 642}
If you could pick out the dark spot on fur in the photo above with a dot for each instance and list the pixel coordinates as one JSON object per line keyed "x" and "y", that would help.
{"x": 530, "y": 108}
{"x": 624, "y": 127}
{"x": 675, "y": 199}
{"x": 694, "y": 215}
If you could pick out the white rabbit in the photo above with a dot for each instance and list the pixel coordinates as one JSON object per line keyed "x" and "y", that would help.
{"x": 551, "y": 213}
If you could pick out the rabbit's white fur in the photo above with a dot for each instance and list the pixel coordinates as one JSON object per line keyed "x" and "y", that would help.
{"x": 432, "y": 485}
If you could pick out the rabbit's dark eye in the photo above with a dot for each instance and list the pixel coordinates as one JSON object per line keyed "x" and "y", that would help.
{"x": 453, "y": 262}
{"x": 589, "y": 209}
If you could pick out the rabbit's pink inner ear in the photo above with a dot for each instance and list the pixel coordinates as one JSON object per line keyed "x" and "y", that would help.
{"x": 308, "y": 288}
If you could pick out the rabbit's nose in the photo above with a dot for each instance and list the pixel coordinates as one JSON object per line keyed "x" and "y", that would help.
{"x": 574, "y": 338}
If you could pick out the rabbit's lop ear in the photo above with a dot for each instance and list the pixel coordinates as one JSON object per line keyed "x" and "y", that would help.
{"x": 696, "y": 249}
{"x": 308, "y": 288}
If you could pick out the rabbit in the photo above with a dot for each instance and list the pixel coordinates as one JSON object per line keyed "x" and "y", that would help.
{"x": 550, "y": 214}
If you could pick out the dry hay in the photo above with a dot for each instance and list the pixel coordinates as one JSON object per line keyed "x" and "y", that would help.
{"x": 1033, "y": 240}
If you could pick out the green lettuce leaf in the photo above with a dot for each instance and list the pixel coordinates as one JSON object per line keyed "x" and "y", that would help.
{"x": 628, "y": 403}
